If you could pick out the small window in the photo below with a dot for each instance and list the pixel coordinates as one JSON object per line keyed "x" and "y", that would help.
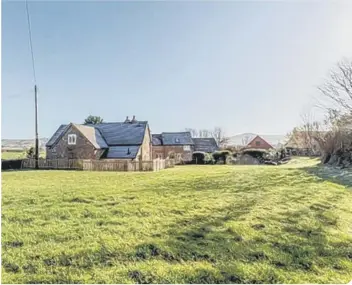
{"x": 72, "y": 139}
{"x": 257, "y": 143}
{"x": 177, "y": 140}
{"x": 186, "y": 147}
{"x": 53, "y": 150}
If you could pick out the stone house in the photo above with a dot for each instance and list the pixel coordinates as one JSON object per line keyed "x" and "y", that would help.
{"x": 178, "y": 145}
{"x": 121, "y": 140}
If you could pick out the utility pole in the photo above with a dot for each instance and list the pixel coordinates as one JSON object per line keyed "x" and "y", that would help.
{"x": 36, "y": 128}
{"x": 36, "y": 155}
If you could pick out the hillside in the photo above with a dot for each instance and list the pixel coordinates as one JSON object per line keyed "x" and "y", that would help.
{"x": 22, "y": 143}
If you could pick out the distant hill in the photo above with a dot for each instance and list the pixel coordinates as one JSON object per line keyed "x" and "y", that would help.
{"x": 22, "y": 143}
{"x": 244, "y": 139}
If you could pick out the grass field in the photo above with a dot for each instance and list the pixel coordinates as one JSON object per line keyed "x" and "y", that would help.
{"x": 17, "y": 155}
{"x": 190, "y": 224}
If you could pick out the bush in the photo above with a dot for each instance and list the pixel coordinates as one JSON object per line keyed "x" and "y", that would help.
{"x": 30, "y": 153}
{"x": 199, "y": 157}
{"x": 221, "y": 156}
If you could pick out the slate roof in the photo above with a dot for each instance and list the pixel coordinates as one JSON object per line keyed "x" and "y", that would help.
{"x": 107, "y": 134}
{"x": 122, "y": 151}
{"x": 122, "y": 133}
{"x": 205, "y": 144}
{"x": 179, "y": 138}
{"x": 156, "y": 139}
{"x": 62, "y": 129}
{"x": 93, "y": 135}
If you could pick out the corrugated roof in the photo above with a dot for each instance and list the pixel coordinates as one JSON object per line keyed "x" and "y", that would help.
{"x": 205, "y": 144}
{"x": 127, "y": 152}
{"x": 93, "y": 135}
{"x": 180, "y": 138}
{"x": 156, "y": 139}
{"x": 56, "y": 135}
{"x": 122, "y": 133}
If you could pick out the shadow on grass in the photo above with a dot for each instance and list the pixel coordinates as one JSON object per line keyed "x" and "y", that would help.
{"x": 332, "y": 174}
{"x": 292, "y": 246}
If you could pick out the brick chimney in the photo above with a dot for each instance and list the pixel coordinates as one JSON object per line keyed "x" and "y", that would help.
{"x": 127, "y": 120}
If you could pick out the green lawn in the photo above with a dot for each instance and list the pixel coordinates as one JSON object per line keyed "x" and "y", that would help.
{"x": 190, "y": 224}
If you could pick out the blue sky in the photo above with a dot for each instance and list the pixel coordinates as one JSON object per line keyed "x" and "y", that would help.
{"x": 244, "y": 66}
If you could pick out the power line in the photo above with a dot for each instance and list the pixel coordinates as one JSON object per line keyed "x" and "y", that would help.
{"x": 35, "y": 91}
{"x": 30, "y": 42}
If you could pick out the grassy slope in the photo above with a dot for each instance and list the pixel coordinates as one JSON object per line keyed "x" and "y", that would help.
{"x": 203, "y": 224}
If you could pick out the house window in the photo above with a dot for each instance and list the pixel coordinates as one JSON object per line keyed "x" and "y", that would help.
{"x": 72, "y": 139}
{"x": 186, "y": 148}
{"x": 53, "y": 150}
{"x": 257, "y": 143}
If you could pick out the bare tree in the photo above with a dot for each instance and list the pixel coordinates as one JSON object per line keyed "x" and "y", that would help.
{"x": 246, "y": 140}
{"x": 220, "y": 137}
{"x": 205, "y": 133}
{"x": 202, "y": 133}
{"x": 338, "y": 88}
{"x": 194, "y": 132}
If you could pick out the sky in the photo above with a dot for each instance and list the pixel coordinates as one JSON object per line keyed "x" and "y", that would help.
{"x": 243, "y": 66}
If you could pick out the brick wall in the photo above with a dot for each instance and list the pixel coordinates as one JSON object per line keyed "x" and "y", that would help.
{"x": 83, "y": 149}
{"x": 163, "y": 151}
{"x": 259, "y": 143}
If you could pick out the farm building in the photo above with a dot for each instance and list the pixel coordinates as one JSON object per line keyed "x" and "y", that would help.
{"x": 259, "y": 143}
{"x": 251, "y": 140}
{"x": 178, "y": 145}
{"x": 119, "y": 140}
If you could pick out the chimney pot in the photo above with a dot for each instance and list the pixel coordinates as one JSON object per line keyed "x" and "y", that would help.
{"x": 127, "y": 120}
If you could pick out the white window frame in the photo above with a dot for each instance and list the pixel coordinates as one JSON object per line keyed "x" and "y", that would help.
{"x": 187, "y": 148}
{"x": 72, "y": 139}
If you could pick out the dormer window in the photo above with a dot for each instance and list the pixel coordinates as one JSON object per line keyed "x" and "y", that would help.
{"x": 177, "y": 140}
{"x": 72, "y": 139}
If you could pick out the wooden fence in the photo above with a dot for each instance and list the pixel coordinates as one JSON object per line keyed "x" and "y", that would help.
{"x": 53, "y": 163}
{"x": 100, "y": 165}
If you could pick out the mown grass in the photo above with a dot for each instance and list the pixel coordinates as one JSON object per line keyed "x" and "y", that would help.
{"x": 190, "y": 224}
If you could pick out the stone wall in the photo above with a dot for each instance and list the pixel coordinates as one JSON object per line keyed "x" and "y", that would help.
{"x": 83, "y": 149}
{"x": 146, "y": 148}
